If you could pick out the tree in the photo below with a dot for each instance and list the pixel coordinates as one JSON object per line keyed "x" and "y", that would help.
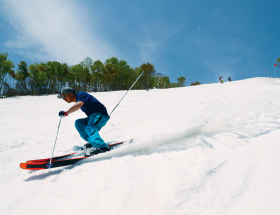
{"x": 181, "y": 81}
{"x": 5, "y": 68}
{"x": 80, "y": 77}
{"x": 278, "y": 61}
{"x": 111, "y": 73}
{"x": 148, "y": 72}
{"x": 158, "y": 80}
{"x": 97, "y": 70}
{"x": 38, "y": 78}
{"x": 50, "y": 77}
{"x": 87, "y": 62}
{"x": 57, "y": 76}
{"x": 64, "y": 75}
{"x": 52, "y": 72}
{"x": 166, "y": 82}
{"x": 195, "y": 83}
{"x": 22, "y": 76}
{"x": 125, "y": 75}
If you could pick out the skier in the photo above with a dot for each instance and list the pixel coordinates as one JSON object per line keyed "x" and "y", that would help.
{"x": 229, "y": 78}
{"x": 88, "y": 128}
{"x": 148, "y": 87}
{"x": 221, "y": 79}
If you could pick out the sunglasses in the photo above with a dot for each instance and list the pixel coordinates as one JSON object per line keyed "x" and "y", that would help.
{"x": 64, "y": 96}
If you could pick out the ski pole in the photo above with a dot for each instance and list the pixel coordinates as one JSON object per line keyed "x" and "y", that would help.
{"x": 49, "y": 165}
{"x": 126, "y": 93}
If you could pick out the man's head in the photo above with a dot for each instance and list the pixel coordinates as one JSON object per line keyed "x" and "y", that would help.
{"x": 68, "y": 94}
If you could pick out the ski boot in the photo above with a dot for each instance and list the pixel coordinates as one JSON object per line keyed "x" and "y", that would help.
{"x": 96, "y": 151}
{"x": 86, "y": 146}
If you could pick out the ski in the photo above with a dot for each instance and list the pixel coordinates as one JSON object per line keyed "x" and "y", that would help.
{"x": 58, "y": 161}
{"x": 111, "y": 146}
{"x": 54, "y": 164}
{"x": 53, "y": 159}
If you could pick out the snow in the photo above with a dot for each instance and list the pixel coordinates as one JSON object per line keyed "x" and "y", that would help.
{"x": 209, "y": 149}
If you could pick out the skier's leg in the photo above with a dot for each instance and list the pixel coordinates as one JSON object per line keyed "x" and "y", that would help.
{"x": 80, "y": 125}
{"x": 95, "y": 123}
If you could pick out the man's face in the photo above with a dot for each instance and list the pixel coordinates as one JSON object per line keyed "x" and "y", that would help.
{"x": 68, "y": 97}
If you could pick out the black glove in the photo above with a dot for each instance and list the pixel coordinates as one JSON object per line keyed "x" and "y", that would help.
{"x": 62, "y": 113}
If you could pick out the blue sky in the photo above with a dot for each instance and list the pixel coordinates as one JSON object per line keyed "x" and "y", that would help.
{"x": 199, "y": 40}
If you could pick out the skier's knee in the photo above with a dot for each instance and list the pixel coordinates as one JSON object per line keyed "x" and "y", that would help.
{"x": 78, "y": 123}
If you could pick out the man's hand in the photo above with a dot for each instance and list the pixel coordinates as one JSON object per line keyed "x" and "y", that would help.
{"x": 62, "y": 113}
{"x": 72, "y": 109}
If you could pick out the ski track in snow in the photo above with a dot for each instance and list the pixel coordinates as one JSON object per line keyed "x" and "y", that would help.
{"x": 209, "y": 149}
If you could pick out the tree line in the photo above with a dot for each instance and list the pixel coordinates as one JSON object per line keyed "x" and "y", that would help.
{"x": 89, "y": 76}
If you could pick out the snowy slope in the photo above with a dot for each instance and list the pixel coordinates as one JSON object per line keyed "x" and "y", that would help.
{"x": 209, "y": 149}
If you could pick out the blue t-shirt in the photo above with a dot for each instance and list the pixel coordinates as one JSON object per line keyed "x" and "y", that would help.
{"x": 91, "y": 105}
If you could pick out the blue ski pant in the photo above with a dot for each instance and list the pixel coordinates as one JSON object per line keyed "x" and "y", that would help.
{"x": 89, "y": 127}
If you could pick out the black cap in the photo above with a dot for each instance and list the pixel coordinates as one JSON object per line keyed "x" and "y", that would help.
{"x": 65, "y": 90}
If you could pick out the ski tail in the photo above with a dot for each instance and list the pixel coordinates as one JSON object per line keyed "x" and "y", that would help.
{"x": 54, "y": 164}
{"x": 27, "y": 166}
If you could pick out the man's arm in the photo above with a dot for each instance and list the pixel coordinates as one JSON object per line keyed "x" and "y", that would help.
{"x": 75, "y": 107}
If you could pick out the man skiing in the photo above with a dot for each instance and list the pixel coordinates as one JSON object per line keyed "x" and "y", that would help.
{"x": 221, "y": 79}
{"x": 88, "y": 128}
{"x": 148, "y": 87}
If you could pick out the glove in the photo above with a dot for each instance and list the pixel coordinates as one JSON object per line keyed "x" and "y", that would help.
{"x": 62, "y": 113}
